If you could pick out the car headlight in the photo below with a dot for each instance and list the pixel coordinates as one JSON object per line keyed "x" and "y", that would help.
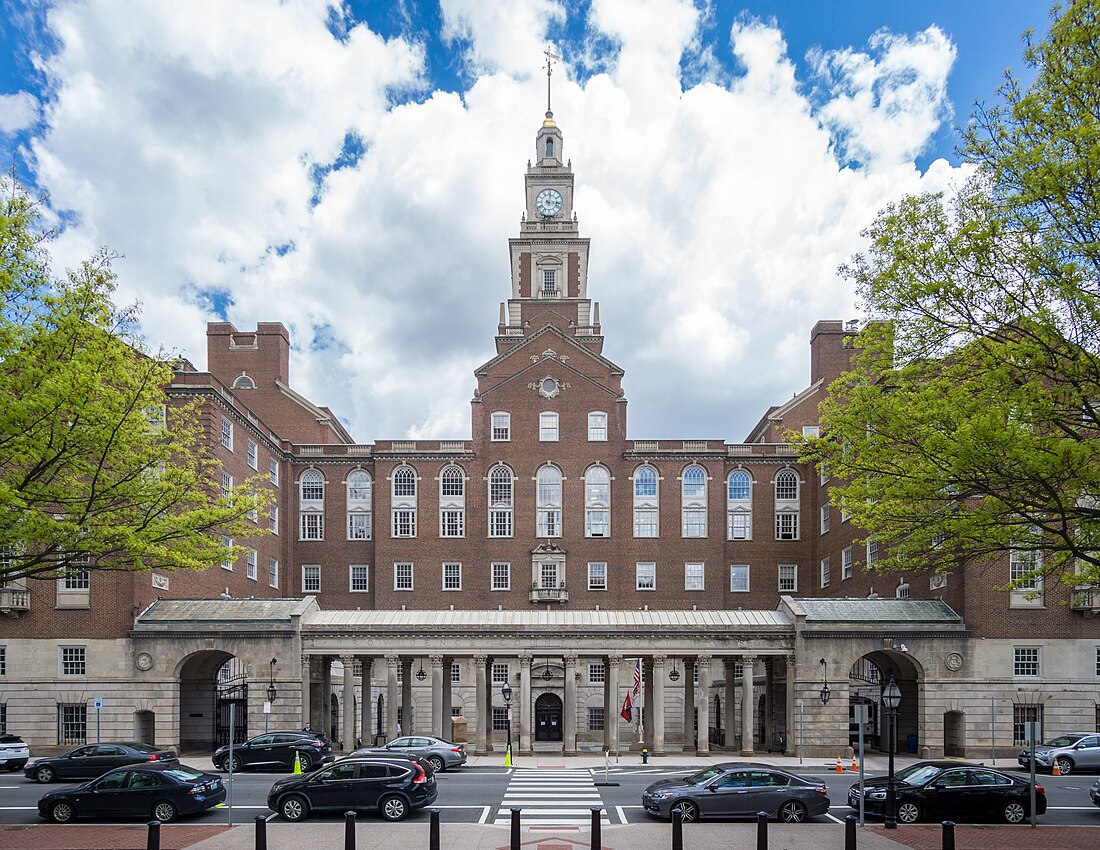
{"x": 660, "y": 795}
{"x": 876, "y": 795}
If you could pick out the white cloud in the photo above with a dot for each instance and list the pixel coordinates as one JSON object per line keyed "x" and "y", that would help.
{"x": 186, "y": 137}
{"x": 17, "y": 112}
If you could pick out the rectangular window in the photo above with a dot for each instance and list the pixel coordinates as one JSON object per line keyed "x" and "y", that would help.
{"x": 739, "y": 578}
{"x": 313, "y": 526}
{"x": 1025, "y": 661}
{"x": 3, "y": 718}
{"x": 501, "y": 576}
{"x": 227, "y": 434}
{"x": 1023, "y": 715}
{"x": 549, "y": 281}
{"x": 738, "y": 525}
{"x": 452, "y": 522}
{"x": 597, "y": 576}
{"x": 72, "y": 723}
{"x": 646, "y": 576}
{"x": 824, "y": 572}
{"x": 227, "y": 488}
{"x": 597, "y": 673}
{"x": 824, "y": 518}
{"x": 273, "y": 519}
{"x": 402, "y": 576}
{"x": 811, "y": 431}
{"x": 452, "y": 576}
{"x": 311, "y": 578}
{"x": 786, "y": 525}
{"x": 1020, "y": 563}
{"x": 872, "y": 551}
{"x": 227, "y": 561}
{"x": 548, "y": 575}
{"x": 597, "y": 522}
{"x": 500, "y": 522}
{"x": 788, "y": 578}
{"x": 359, "y": 578}
{"x": 250, "y": 564}
{"x": 404, "y": 522}
{"x": 846, "y": 563}
{"x": 597, "y": 427}
{"x": 695, "y": 522}
{"x": 456, "y": 674}
{"x": 358, "y": 525}
{"x": 76, "y": 580}
{"x": 595, "y": 718}
{"x": 4, "y": 661}
{"x": 253, "y": 455}
{"x": 273, "y": 572}
{"x": 500, "y": 718}
{"x": 645, "y": 522}
{"x": 693, "y": 577}
{"x": 548, "y": 427}
{"x": 74, "y": 660}
{"x": 499, "y": 673}
{"x": 273, "y": 471}
{"x": 502, "y": 427}
{"x": 548, "y": 522}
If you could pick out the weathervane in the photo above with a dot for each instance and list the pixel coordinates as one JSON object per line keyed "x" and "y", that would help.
{"x": 551, "y": 58}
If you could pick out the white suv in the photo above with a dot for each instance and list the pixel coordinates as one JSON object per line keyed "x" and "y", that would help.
{"x": 13, "y": 752}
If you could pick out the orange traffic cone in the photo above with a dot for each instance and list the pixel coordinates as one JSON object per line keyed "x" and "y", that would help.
{"x": 1054, "y": 771}
{"x": 839, "y": 766}
{"x": 855, "y": 767}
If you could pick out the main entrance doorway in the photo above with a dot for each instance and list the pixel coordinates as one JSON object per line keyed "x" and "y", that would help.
{"x": 548, "y": 714}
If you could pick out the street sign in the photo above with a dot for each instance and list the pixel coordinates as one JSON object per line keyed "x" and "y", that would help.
{"x": 267, "y": 706}
{"x": 98, "y": 703}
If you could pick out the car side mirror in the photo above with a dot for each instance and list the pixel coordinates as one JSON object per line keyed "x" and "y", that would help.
{"x": 712, "y": 788}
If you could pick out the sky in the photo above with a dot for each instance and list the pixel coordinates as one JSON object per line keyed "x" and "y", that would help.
{"x": 354, "y": 170}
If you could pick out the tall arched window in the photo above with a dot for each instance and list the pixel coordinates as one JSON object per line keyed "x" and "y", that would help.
{"x": 359, "y": 505}
{"x": 786, "y": 505}
{"x": 548, "y": 502}
{"x": 404, "y": 502}
{"x": 646, "y": 502}
{"x": 311, "y": 505}
{"x": 693, "y": 502}
{"x": 501, "y": 501}
{"x": 739, "y": 505}
{"x": 452, "y": 502}
{"x": 597, "y": 502}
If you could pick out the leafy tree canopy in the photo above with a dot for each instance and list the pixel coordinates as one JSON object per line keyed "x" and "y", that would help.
{"x": 970, "y": 421}
{"x": 96, "y": 472}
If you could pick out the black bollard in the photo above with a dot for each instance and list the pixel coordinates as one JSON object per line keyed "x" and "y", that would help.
{"x": 349, "y": 830}
{"x": 677, "y": 828}
{"x": 514, "y": 843}
{"x": 597, "y": 841}
{"x": 761, "y": 831}
{"x": 850, "y": 832}
{"x": 433, "y": 830}
{"x": 948, "y": 839}
{"x": 153, "y": 841}
{"x": 261, "y": 832}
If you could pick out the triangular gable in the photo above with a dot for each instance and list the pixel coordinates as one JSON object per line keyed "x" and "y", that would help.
{"x": 552, "y": 330}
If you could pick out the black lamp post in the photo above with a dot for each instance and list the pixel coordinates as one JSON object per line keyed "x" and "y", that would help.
{"x": 271, "y": 692}
{"x": 506, "y": 692}
{"x": 891, "y": 699}
{"x": 825, "y": 692}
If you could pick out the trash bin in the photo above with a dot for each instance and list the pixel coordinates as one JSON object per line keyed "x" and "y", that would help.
{"x": 911, "y": 744}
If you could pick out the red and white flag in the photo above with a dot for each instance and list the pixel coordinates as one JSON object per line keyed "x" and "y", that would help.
{"x": 627, "y": 713}
{"x": 637, "y": 692}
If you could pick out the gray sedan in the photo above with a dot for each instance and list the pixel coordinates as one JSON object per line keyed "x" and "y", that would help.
{"x": 738, "y": 789}
{"x": 439, "y": 753}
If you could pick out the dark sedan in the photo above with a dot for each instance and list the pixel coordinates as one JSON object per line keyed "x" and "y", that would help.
{"x": 931, "y": 792}
{"x": 276, "y": 751}
{"x": 737, "y": 789}
{"x": 94, "y": 760}
{"x": 391, "y": 786}
{"x": 442, "y": 754}
{"x": 1094, "y": 792}
{"x": 158, "y": 790}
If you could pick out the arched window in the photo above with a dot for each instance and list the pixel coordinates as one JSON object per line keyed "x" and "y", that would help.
{"x": 359, "y": 505}
{"x": 403, "y": 484}
{"x": 646, "y": 502}
{"x": 311, "y": 505}
{"x": 549, "y": 148}
{"x": 597, "y": 502}
{"x": 786, "y": 505}
{"x": 548, "y": 505}
{"x": 452, "y": 502}
{"x": 693, "y": 502}
{"x": 739, "y": 506}
{"x": 244, "y": 383}
{"x": 501, "y": 501}
{"x": 786, "y": 485}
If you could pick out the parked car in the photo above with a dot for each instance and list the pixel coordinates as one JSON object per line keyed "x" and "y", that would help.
{"x": 365, "y": 753}
{"x": 393, "y": 786}
{"x": 162, "y": 790}
{"x": 1075, "y": 751}
{"x": 14, "y": 752}
{"x": 936, "y": 793}
{"x": 276, "y": 750}
{"x": 1094, "y": 792}
{"x": 905, "y": 772}
{"x": 737, "y": 789}
{"x": 95, "y": 760}
{"x": 442, "y": 754}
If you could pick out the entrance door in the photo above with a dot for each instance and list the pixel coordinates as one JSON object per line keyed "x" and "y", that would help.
{"x": 954, "y": 741}
{"x": 548, "y": 714}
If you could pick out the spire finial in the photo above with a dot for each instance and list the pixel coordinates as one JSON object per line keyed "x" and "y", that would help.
{"x": 551, "y": 58}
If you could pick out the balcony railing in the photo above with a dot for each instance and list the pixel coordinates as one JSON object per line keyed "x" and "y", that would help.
{"x": 549, "y": 594}
{"x": 14, "y": 600}
{"x": 1086, "y": 599}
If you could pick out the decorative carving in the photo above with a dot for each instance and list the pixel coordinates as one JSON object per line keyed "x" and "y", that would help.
{"x": 144, "y": 661}
{"x": 954, "y": 661}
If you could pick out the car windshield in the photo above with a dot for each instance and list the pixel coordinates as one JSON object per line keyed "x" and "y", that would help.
{"x": 183, "y": 773}
{"x": 920, "y": 775}
{"x": 1062, "y": 741}
{"x": 906, "y": 772}
{"x": 704, "y": 776}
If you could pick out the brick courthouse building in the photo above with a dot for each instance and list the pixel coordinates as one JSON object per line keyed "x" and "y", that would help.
{"x": 404, "y": 582}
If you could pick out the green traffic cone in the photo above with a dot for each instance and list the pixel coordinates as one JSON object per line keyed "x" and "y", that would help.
{"x": 297, "y": 763}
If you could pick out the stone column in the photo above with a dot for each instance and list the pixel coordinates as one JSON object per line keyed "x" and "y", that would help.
{"x": 524, "y": 713}
{"x": 689, "y": 706}
{"x": 730, "y": 712}
{"x": 748, "y": 704}
{"x": 365, "y": 697}
{"x": 326, "y": 696}
{"x": 437, "y": 695}
{"x": 702, "y": 747}
{"x": 482, "y": 704}
{"x": 790, "y": 721}
{"x": 646, "y": 729}
{"x": 658, "y": 691}
{"x": 406, "y": 697}
{"x": 769, "y": 704}
{"x": 392, "y": 664}
{"x": 347, "y": 698}
{"x": 570, "y": 709}
{"x": 445, "y": 718}
{"x": 307, "y": 680}
{"x": 611, "y": 710}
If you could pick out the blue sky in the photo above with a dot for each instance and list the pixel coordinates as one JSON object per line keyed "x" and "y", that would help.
{"x": 356, "y": 170}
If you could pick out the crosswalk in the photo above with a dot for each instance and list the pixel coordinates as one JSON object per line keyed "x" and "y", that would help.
{"x": 551, "y": 797}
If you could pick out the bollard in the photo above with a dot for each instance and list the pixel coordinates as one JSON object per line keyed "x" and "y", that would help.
{"x": 948, "y": 838}
{"x": 850, "y": 832}
{"x": 514, "y": 843}
{"x": 349, "y": 830}
{"x": 153, "y": 841}
{"x": 761, "y": 831}
{"x": 597, "y": 842}
{"x": 677, "y": 829}
{"x": 261, "y": 832}
{"x": 433, "y": 830}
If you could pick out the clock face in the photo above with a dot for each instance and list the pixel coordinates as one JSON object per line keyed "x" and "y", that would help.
{"x": 548, "y": 202}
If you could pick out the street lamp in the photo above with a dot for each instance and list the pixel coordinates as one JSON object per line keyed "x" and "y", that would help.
{"x": 506, "y": 692}
{"x": 891, "y": 699}
{"x": 825, "y": 682}
{"x": 271, "y": 692}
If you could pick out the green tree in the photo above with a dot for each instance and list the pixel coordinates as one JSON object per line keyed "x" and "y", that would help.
{"x": 96, "y": 471}
{"x": 970, "y": 421}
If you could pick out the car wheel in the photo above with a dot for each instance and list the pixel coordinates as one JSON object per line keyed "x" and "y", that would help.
{"x": 908, "y": 812}
{"x": 164, "y": 812}
{"x": 237, "y": 764}
{"x": 437, "y": 764}
{"x": 689, "y": 812}
{"x": 293, "y": 808}
{"x": 1065, "y": 765}
{"x": 792, "y": 812}
{"x": 305, "y": 761}
{"x": 1015, "y": 813}
{"x": 62, "y": 813}
{"x": 45, "y": 774}
{"x": 393, "y": 808}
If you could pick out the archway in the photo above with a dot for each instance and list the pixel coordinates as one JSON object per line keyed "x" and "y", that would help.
{"x": 866, "y": 679}
{"x": 212, "y": 688}
{"x": 954, "y": 734}
{"x": 145, "y": 727}
{"x": 548, "y": 716}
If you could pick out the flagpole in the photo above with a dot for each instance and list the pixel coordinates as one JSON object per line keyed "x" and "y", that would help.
{"x": 641, "y": 700}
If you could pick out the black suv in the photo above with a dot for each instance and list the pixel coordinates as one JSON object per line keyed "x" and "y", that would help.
{"x": 276, "y": 751}
{"x": 393, "y": 786}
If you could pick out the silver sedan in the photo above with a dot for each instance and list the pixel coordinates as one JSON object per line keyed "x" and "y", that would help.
{"x": 439, "y": 753}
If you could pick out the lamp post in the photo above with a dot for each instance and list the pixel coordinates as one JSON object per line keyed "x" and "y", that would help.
{"x": 824, "y": 682}
{"x": 891, "y": 699}
{"x": 271, "y": 692}
{"x": 506, "y": 692}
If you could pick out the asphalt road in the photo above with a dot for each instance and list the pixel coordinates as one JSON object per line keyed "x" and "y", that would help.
{"x": 481, "y": 795}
